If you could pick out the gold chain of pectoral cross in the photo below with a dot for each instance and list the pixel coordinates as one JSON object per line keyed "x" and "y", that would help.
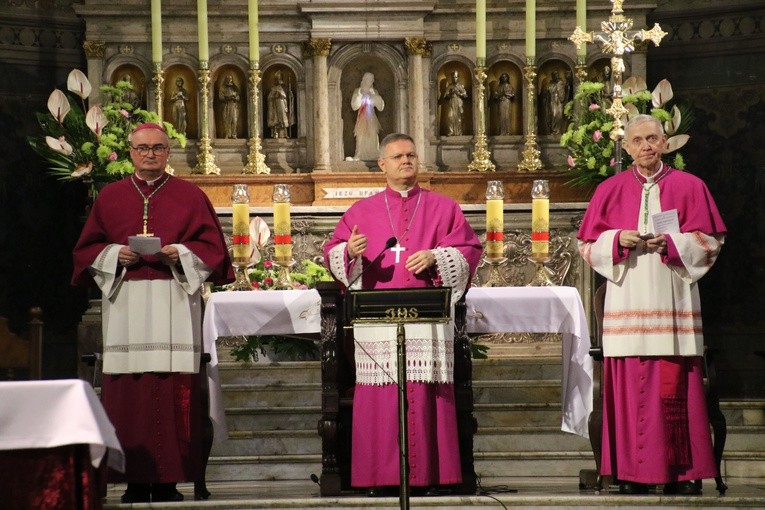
{"x": 647, "y": 191}
{"x": 146, "y": 199}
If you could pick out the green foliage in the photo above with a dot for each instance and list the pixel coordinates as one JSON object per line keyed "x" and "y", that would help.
{"x": 294, "y": 348}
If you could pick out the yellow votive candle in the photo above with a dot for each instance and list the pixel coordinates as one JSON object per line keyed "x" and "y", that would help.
{"x": 581, "y": 22}
{"x": 204, "y": 47}
{"x": 531, "y": 28}
{"x": 480, "y": 29}
{"x": 540, "y": 226}
{"x": 495, "y": 227}
{"x": 282, "y": 228}
{"x": 241, "y": 230}
{"x": 252, "y": 10}
{"x": 156, "y": 30}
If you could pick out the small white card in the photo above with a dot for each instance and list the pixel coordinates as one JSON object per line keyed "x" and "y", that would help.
{"x": 666, "y": 222}
{"x": 145, "y": 245}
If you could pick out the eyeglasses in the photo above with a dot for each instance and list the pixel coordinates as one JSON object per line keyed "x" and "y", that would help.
{"x": 400, "y": 157}
{"x": 157, "y": 150}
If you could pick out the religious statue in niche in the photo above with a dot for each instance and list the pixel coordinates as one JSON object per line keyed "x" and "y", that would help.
{"x": 607, "y": 92}
{"x": 228, "y": 94}
{"x": 281, "y": 109}
{"x": 554, "y": 98}
{"x": 454, "y": 96}
{"x": 364, "y": 101}
{"x": 504, "y": 96}
{"x": 179, "y": 98}
{"x": 131, "y": 96}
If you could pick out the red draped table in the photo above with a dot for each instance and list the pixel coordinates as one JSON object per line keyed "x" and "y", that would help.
{"x": 55, "y": 444}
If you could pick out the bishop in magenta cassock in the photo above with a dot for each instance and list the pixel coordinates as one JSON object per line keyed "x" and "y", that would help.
{"x": 152, "y": 314}
{"x": 435, "y": 247}
{"x": 653, "y": 232}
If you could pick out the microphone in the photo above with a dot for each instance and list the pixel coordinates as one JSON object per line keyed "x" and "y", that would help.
{"x": 388, "y": 244}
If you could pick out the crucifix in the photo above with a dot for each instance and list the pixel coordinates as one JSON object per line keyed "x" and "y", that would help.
{"x": 398, "y": 249}
{"x": 616, "y": 39}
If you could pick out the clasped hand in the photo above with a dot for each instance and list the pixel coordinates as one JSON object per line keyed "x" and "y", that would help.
{"x": 631, "y": 239}
{"x": 167, "y": 255}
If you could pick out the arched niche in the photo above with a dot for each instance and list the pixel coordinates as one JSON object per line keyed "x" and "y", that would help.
{"x": 555, "y": 80}
{"x": 181, "y": 81}
{"x": 230, "y": 102}
{"x": 132, "y": 74}
{"x": 346, "y": 69}
{"x": 454, "y": 79}
{"x": 280, "y": 102}
{"x": 501, "y": 107}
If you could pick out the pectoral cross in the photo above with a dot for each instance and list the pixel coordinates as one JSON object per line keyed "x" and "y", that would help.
{"x": 145, "y": 219}
{"x": 617, "y": 40}
{"x": 398, "y": 249}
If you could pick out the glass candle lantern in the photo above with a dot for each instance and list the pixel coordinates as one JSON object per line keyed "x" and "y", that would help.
{"x": 282, "y": 224}
{"x": 240, "y": 221}
{"x": 495, "y": 221}
{"x": 540, "y": 219}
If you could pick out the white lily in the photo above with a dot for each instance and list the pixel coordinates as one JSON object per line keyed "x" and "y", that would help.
{"x": 633, "y": 85}
{"x": 632, "y": 111}
{"x": 672, "y": 125}
{"x": 259, "y": 235}
{"x": 82, "y": 170}
{"x": 96, "y": 120}
{"x": 78, "y": 83}
{"x": 58, "y": 105}
{"x": 676, "y": 142}
{"x": 59, "y": 145}
{"x": 662, "y": 93}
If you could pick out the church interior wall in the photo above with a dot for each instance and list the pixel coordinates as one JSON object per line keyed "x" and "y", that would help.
{"x": 712, "y": 56}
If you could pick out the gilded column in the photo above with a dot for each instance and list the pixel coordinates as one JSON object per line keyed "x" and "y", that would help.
{"x": 94, "y": 52}
{"x": 319, "y": 50}
{"x": 416, "y": 48}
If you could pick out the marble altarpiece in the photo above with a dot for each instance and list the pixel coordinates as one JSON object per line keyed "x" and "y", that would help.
{"x": 313, "y": 55}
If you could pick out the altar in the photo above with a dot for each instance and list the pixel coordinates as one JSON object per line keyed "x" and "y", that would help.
{"x": 488, "y": 310}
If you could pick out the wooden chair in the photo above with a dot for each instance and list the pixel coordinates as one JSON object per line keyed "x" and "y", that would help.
{"x": 337, "y": 383}
{"x": 21, "y": 358}
{"x": 595, "y": 422}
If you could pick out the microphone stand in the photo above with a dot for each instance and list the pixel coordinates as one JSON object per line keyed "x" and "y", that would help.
{"x": 403, "y": 428}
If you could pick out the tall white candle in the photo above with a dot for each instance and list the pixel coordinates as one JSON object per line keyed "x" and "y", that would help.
{"x": 480, "y": 29}
{"x": 156, "y": 30}
{"x": 252, "y": 9}
{"x": 204, "y": 47}
{"x": 531, "y": 28}
{"x": 581, "y": 22}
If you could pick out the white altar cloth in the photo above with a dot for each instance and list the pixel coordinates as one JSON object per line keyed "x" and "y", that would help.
{"x": 46, "y": 414}
{"x": 489, "y": 310}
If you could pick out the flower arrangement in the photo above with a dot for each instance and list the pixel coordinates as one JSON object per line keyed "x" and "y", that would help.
{"x": 90, "y": 144}
{"x": 588, "y": 140}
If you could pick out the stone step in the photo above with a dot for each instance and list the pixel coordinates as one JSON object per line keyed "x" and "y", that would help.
{"x": 268, "y": 443}
{"x": 516, "y": 391}
{"x": 518, "y": 368}
{"x": 234, "y": 372}
{"x": 278, "y": 394}
{"x": 518, "y": 439}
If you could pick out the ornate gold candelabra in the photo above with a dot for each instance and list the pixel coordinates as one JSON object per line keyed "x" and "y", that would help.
{"x": 581, "y": 68}
{"x": 256, "y": 161}
{"x": 159, "y": 100}
{"x": 617, "y": 40}
{"x": 481, "y": 155}
{"x": 530, "y": 161}
{"x": 205, "y": 157}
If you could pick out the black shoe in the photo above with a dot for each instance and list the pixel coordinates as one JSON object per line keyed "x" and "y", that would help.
{"x": 200, "y": 491}
{"x": 165, "y": 492}
{"x": 632, "y": 488}
{"x": 687, "y": 488}
{"x": 136, "y": 493}
{"x": 382, "y": 491}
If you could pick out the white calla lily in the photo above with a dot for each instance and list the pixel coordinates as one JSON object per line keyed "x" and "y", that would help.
{"x": 633, "y": 85}
{"x": 259, "y": 235}
{"x": 662, "y": 93}
{"x": 78, "y": 83}
{"x": 96, "y": 120}
{"x": 676, "y": 142}
{"x": 632, "y": 111}
{"x": 58, "y": 105}
{"x": 82, "y": 170}
{"x": 672, "y": 125}
{"x": 59, "y": 145}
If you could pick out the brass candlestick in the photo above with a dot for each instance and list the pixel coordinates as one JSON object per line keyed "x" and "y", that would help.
{"x": 205, "y": 158}
{"x": 159, "y": 99}
{"x": 256, "y": 161}
{"x": 481, "y": 155}
{"x": 530, "y": 161}
{"x": 542, "y": 273}
{"x": 241, "y": 249}
{"x": 282, "y": 236}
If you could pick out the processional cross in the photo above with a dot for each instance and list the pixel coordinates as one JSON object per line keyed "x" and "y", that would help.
{"x": 616, "y": 39}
